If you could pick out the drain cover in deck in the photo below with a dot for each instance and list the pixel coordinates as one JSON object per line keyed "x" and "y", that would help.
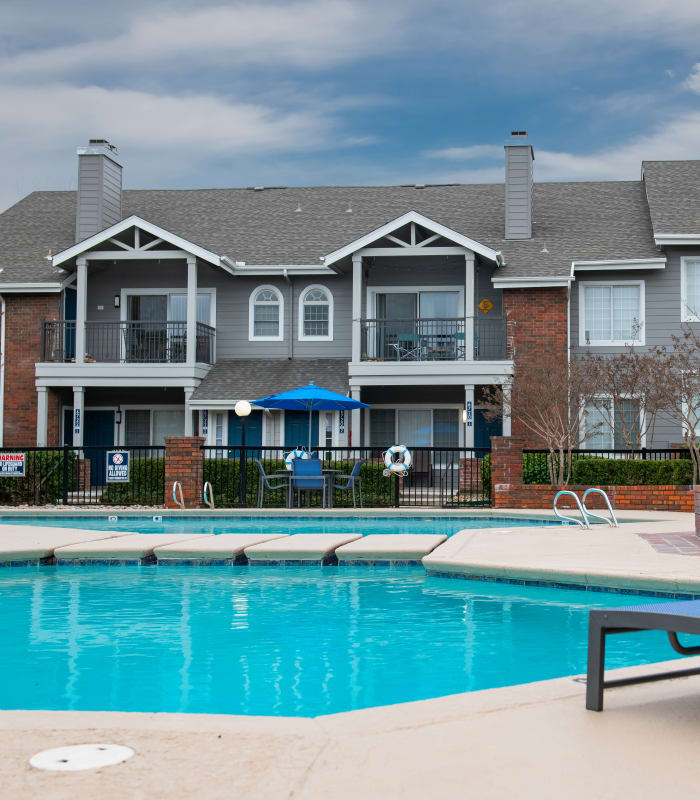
{"x": 81, "y": 756}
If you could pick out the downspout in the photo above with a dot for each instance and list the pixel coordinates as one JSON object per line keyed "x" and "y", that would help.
{"x": 2, "y": 370}
{"x": 290, "y": 305}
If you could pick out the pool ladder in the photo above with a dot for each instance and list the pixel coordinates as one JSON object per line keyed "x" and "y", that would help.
{"x": 178, "y": 498}
{"x": 586, "y": 513}
{"x": 208, "y": 495}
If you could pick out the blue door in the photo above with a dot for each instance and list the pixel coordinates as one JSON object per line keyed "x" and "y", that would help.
{"x": 98, "y": 430}
{"x": 296, "y": 429}
{"x": 484, "y": 429}
{"x": 253, "y": 430}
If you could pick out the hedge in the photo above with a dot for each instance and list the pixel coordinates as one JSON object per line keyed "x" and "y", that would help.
{"x": 632, "y": 472}
{"x": 145, "y": 486}
{"x": 43, "y": 480}
{"x": 486, "y": 474}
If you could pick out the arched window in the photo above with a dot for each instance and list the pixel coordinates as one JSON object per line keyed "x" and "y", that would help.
{"x": 316, "y": 313}
{"x": 266, "y": 314}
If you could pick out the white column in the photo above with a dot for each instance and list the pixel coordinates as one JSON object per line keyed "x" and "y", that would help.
{"x": 356, "y": 309}
{"x": 506, "y": 409}
{"x": 191, "y": 312}
{"x": 80, "y": 310}
{"x": 78, "y": 415}
{"x": 189, "y": 430}
{"x": 355, "y": 425}
{"x": 469, "y": 306}
{"x": 469, "y": 412}
{"x": 42, "y": 416}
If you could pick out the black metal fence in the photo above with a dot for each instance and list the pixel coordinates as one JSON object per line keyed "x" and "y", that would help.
{"x": 536, "y": 462}
{"x": 78, "y": 476}
{"x": 442, "y": 477}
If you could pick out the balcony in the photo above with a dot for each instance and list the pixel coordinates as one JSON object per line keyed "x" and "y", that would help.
{"x": 433, "y": 339}
{"x": 126, "y": 342}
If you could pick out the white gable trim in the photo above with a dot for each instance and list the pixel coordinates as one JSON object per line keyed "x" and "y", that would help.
{"x": 623, "y": 263}
{"x": 676, "y": 238}
{"x": 413, "y": 216}
{"x": 149, "y": 227}
{"x": 532, "y": 281}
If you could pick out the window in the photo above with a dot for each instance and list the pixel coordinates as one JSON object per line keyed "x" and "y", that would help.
{"x": 163, "y": 305}
{"x": 146, "y": 426}
{"x": 266, "y": 314}
{"x": 690, "y": 289}
{"x": 611, "y": 313}
{"x": 316, "y": 313}
{"x": 626, "y": 424}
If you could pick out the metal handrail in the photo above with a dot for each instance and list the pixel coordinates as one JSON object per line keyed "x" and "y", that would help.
{"x": 612, "y": 520}
{"x": 583, "y": 522}
{"x": 208, "y": 496}
{"x": 181, "y": 500}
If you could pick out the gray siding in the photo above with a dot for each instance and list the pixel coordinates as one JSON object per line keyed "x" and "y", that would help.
{"x": 99, "y": 195}
{"x": 518, "y": 192}
{"x": 662, "y": 294}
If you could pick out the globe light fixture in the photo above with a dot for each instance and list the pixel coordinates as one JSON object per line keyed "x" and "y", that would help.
{"x": 242, "y": 408}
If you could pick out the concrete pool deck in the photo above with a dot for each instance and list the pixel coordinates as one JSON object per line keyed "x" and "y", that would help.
{"x": 528, "y": 741}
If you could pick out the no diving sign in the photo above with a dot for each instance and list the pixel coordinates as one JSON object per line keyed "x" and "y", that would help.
{"x": 118, "y": 466}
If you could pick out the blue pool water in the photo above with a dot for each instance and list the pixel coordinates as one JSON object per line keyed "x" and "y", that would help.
{"x": 295, "y": 641}
{"x": 282, "y": 524}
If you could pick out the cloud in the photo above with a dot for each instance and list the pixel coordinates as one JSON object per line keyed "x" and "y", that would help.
{"x": 674, "y": 140}
{"x": 467, "y": 153}
{"x": 305, "y": 34}
{"x": 692, "y": 82}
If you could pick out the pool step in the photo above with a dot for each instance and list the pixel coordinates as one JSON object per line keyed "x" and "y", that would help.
{"x": 224, "y": 549}
{"x": 135, "y": 548}
{"x": 29, "y": 545}
{"x": 302, "y": 548}
{"x": 389, "y": 548}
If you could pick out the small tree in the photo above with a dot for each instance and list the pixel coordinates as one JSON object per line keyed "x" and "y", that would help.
{"x": 630, "y": 391}
{"x": 548, "y": 397}
{"x": 680, "y": 367}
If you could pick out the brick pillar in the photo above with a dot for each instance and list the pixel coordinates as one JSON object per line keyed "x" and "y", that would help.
{"x": 184, "y": 462}
{"x": 84, "y": 474}
{"x": 506, "y": 469}
{"x": 697, "y": 510}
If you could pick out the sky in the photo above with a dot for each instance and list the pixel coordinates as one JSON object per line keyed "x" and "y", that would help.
{"x": 344, "y": 92}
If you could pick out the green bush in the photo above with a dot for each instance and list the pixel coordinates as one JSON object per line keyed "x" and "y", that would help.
{"x": 486, "y": 474}
{"x": 146, "y": 484}
{"x": 632, "y": 472}
{"x": 536, "y": 468}
{"x": 43, "y": 480}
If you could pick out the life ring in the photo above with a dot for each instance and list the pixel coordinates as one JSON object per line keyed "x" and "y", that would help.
{"x": 397, "y": 460}
{"x": 293, "y": 455}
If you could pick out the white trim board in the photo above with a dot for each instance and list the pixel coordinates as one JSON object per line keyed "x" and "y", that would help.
{"x": 425, "y": 222}
{"x": 532, "y": 281}
{"x": 149, "y": 227}
{"x": 676, "y": 238}
{"x": 621, "y": 264}
{"x": 686, "y": 315}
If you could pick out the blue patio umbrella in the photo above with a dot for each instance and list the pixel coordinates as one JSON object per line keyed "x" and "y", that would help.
{"x": 309, "y": 398}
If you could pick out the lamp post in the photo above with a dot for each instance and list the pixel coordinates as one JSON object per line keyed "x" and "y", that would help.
{"x": 242, "y": 409}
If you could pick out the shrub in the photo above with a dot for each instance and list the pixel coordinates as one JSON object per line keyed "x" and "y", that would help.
{"x": 536, "y": 468}
{"x": 486, "y": 474}
{"x": 146, "y": 484}
{"x": 43, "y": 480}
{"x": 632, "y": 472}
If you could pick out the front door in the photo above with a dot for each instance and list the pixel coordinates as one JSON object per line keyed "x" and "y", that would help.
{"x": 98, "y": 431}
{"x": 253, "y": 430}
{"x": 484, "y": 429}
{"x": 296, "y": 429}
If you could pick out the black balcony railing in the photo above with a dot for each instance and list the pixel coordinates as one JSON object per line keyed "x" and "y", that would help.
{"x": 436, "y": 339}
{"x": 129, "y": 342}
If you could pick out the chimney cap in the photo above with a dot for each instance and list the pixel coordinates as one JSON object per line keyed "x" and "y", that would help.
{"x": 518, "y": 134}
{"x": 100, "y": 147}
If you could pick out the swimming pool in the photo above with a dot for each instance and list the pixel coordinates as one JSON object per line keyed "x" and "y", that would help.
{"x": 447, "y": 525}
{"x": 283, "y": 641}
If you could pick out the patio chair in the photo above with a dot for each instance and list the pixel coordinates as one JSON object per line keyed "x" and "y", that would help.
{"x": 265, "y": 481}
{"x": 407, "y": 346}
{"x": 352, "y": 480}
{"x": 308, "y": 476}
{"x": 674, "y": 618}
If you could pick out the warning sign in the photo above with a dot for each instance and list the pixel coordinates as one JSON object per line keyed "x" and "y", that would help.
{"x": 118, "y": 466}
{"x": 12, "y": 465}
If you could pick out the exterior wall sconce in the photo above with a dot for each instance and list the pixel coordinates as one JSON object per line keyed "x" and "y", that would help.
{"x": 118, "y": 416}
{"x": 117, "y": 301}
{"x": 464, "y": 416}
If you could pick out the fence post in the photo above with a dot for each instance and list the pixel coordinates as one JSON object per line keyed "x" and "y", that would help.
{"x": 65, "y": 475}
{"x": 397, "y": 494}
{"x": 243, "y": 477}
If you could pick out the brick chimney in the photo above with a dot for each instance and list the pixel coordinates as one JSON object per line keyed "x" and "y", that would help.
{"x": 99, "y": 188}
{"x": 519, "y": 158}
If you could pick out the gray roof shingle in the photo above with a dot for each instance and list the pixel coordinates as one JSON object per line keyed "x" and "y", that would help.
{"x": 673, "y": 192}
{"x": 253, "y": 378}
{"x": 577, "y": 221}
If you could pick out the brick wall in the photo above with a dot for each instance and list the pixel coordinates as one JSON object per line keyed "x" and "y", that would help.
{"x": 536, "y": 324}
{"x": 24, "y": 315}
{"x": 184, "y": 462}
{"x": 506, "y": 469}
{"x": 623, "y": 498}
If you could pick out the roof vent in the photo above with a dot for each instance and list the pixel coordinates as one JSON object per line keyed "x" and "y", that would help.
{"x": 258, "y": 188}
{"x": 518, "y": 134}
{"x": 419, "y": 186}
